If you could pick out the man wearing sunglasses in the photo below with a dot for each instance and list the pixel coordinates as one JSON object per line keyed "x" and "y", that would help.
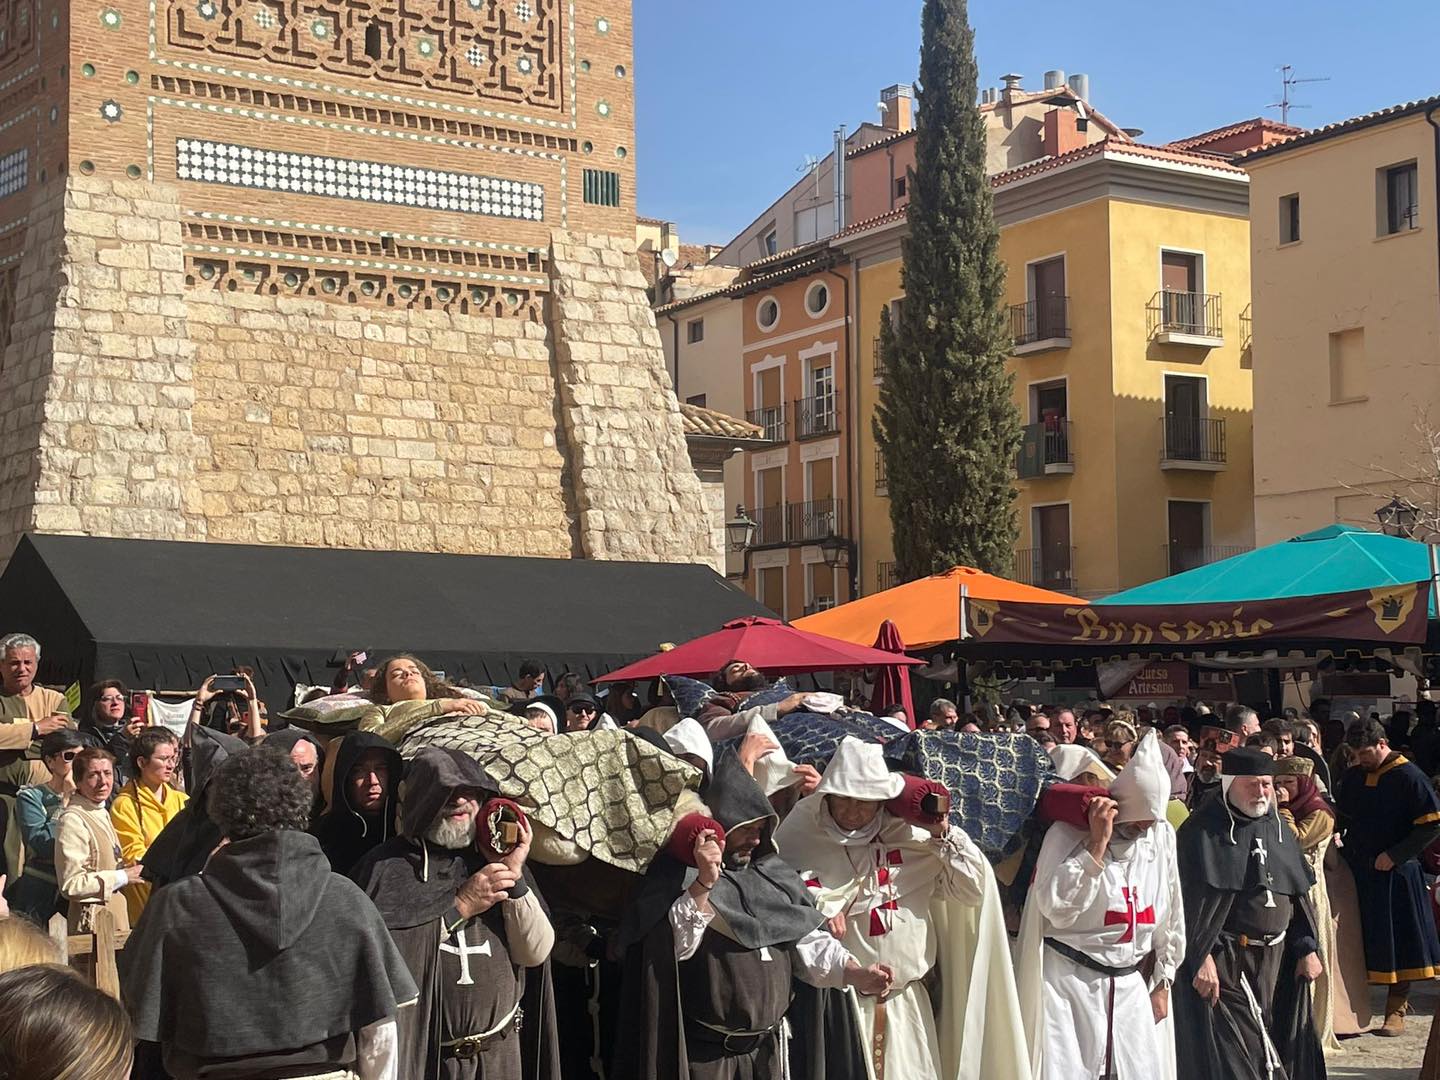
{"x": 583, "y": 713}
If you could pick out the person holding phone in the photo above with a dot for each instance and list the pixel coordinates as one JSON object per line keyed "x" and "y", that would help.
{"x": 111, "y": 725}
{"x": 229, "y": 703}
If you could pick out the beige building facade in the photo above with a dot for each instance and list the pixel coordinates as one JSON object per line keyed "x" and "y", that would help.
{"x": 1346, "y": 324}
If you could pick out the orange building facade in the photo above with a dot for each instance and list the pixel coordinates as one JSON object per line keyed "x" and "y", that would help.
{"x": 796, "y": 360}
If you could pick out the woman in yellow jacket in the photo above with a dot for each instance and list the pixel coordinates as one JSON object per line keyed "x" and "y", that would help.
{"x": 146, "y": 804}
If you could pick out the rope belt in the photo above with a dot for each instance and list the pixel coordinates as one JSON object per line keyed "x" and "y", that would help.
{"x": 472, "y": 1045}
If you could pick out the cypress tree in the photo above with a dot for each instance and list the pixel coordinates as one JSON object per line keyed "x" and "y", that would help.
{"x": 946, "y": 422}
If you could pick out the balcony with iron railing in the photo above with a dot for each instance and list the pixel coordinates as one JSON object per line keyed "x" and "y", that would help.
{"x": 1045, "y": 450}
{"x": 885, "y": 576}
{"x": 1050, "y": 566}
{"x": 772, "y": 419}
{"x": 1182, "y": 557}
{"x": 798, "y": 523}
{"x": 882, "y": 474}
{"x": 1196, "y": 443}
{"x": 1185, "y": 318}
{"x": 1247, "y": 328}
{"x": 877, "y": 360}
{"x": 819, "y": 604}
{"x": 1040, "y": 325}
{"x": 817, "y": 416}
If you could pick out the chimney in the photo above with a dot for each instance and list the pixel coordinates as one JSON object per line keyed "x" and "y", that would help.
{"x": 899, "y": 107}
{"x": 1080, "y": 86}
{"x": 1012, "y": 88}
{"x": 1061, "y": 133}
{"x": 1054, "y": 80}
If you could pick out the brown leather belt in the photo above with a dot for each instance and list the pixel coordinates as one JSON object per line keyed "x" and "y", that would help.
{"x": 877, "y": 1045}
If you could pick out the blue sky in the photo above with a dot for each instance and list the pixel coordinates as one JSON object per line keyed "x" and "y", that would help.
{"x": 732, "y": 96}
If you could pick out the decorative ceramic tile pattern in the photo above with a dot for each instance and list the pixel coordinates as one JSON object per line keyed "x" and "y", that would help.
{"x": 421, "y": 43}
{"x": 14, "y": 171}
{"x": 342, "y": 178}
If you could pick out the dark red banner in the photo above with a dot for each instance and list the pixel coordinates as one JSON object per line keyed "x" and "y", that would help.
{"x": 1390, "y": 613}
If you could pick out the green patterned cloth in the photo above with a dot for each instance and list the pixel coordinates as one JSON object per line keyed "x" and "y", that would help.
{"x": 609, "y": 793}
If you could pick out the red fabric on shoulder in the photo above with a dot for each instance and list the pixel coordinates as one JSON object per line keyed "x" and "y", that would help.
{"x": 909, "y": 804}
{"x": 681, "y": 844}
{"x": 1069, "y": 803}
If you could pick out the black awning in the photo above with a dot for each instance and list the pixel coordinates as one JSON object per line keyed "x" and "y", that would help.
{"x": 165, "y": 614}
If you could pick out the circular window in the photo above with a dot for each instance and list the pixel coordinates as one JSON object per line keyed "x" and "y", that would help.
{"x": 817, "y": 299}
{"x": 768, "y": 313}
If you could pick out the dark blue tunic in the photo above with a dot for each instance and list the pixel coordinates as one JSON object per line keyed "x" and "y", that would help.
{"x": 1386, "y": 811}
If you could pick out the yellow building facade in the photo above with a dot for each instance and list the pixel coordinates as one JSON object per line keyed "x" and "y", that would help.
{"x": 1128, "y": 287}
{"x": 1347, "y": 318}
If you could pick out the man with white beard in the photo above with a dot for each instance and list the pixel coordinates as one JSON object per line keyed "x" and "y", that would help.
{"x": 462, "y": 910}
{"x": 1105, "y": 897}
{"x": 1242, "y": 995}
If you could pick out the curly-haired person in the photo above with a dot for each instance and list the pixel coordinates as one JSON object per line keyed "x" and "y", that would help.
{"x": 268, "y": 960}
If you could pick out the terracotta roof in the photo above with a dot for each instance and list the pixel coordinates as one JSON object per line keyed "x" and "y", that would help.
{"x": 898, "y": 214}
{"x": 1343, "y": 127}
{"x": 1026, "y": 98}
{"x": 1215, "y": 135}
{"x": 708, "y": 423}
{"x": 753, "y": 283}
{"x": 651, "y": 220}
{"x": 1117, "y": 149}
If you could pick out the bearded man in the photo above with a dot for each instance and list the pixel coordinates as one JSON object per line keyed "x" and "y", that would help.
{"x": 1242, "y": 996}
{"x": 468, "y": 922}
{"x": 1105, "y": 898}
{"x": 910, "y": 897}
{"x": 714, "y": 948}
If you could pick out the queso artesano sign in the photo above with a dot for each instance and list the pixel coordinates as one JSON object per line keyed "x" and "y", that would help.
{"x": 1393, "y": 613}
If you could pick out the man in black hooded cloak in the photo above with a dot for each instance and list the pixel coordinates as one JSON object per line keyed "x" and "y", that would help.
{"x": 1242, "y": 999}
{"x": 716, "y": 951}
{"x": 361, "y": 813}
{"x": 460, "y": 905}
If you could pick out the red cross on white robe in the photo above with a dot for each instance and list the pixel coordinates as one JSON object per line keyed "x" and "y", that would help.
{"x": 1129, "y": 917}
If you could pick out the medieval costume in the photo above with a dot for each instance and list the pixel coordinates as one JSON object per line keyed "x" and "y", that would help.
{"x": 714, "y": 988}
{"x": 1246, "y": 888}
{"x": 1311, "y": 818}
{"x": 1393, "y": 811}
{"x": 267, "y": 964}
{"x": 345, "y": 833}
{"x": 286, "y": 739}
{"x": 88, "y": 864}
{"x": 469, "y": 1022}
{"x": 186, "y": 842}
{"x": 1089, "y": 929}
{"x": 912, "y": 901}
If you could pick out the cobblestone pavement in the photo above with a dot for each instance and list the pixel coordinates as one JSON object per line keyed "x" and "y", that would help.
{"x": 1374, "y": 1058}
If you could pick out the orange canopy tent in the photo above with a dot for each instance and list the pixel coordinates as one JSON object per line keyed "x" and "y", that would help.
{"x": 926, "y": 611}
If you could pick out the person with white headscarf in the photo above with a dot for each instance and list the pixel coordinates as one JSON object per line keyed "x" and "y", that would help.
{"x": 1103, "y": 899}
{"x": 910, "y": 897}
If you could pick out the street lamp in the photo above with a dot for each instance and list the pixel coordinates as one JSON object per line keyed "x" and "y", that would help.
{"x": 740, "y": 530}
{"x": 838, "y": 551}
{"x": 1398, "y": 517}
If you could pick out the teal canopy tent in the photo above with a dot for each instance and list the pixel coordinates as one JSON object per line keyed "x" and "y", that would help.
{"x": 1335, "y": 559}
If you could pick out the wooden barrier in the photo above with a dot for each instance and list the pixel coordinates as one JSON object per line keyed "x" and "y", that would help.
{"x": 95, "y": 950}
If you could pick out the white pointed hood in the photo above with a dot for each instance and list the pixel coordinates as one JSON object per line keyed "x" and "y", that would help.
{"x": 1072, "y": 759}
{"x": 858, "y": 771}
{"x": 1143, "y": 787}
{"x": 688, "y": 737}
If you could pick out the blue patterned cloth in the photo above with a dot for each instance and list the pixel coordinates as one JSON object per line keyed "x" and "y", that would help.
{"x": 777, "y": 693}
{"x": 994, "y": 780}
{"x": 690, "y": 694}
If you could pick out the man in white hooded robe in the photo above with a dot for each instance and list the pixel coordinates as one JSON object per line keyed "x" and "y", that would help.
{"x": 907, "y": 898}
{"x": 1103, "y": 901}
